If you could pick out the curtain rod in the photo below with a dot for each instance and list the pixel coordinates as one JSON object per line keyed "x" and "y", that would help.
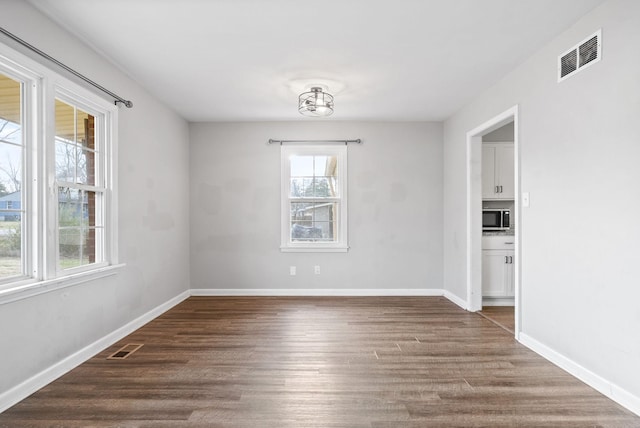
{"x": 272, "y": 141}
{"x": 15, "y": 38}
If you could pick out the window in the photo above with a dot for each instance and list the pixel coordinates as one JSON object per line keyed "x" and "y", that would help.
{"x": 12, "y": 260}
{"x": 80, "y": 185}
{"x": 57, "y": 204}
{"x": 314, "y": 198}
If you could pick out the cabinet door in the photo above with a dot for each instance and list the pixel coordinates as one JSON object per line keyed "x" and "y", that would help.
{"x": 494, "y": 273}
{"x": 510, "y": 276}
{"x": 488, "y": 172}
{"x": 504, "y": 162}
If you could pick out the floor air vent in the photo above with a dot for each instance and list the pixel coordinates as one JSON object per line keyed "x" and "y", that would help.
{"x": 125, "y": 351}
{"x": 580, "y": 56}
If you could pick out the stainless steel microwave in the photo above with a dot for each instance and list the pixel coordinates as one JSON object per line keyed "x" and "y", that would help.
{"x": 496, "y": 219}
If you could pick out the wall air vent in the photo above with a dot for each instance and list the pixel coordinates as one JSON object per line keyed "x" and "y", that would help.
{"x": 582, "y": 55}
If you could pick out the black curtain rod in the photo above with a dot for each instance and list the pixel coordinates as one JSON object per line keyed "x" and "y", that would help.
{"x": 272, "y": 141}
{"x": 118, "y": 99}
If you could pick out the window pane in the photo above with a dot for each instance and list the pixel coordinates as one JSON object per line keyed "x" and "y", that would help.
{"x": 10, "y": 247}
{"x": 71, "y": 208}
{"x": 80, "y": 230}
{"x": 313, "y": 221}
{"x": 86, "y": 167}
{"x": 70, "y": 242}
{"x": 10, "y": 169}
{"x": 313, "y": 176}
{"x": 75, "y": 145}
{"x": 65, "y": 161}
{"x": 86, "y": 155}
{"x": 302, "y": 166}
{"x": 11, "y": 178}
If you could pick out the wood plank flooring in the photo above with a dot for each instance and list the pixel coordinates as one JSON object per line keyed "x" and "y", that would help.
{"x": 503, "y": 316}
{"x": 380, "y": 362}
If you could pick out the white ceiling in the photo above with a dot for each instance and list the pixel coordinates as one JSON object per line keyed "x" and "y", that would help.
{"x": 240, "y": 60}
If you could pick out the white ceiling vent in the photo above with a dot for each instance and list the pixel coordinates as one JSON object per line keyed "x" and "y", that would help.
{"x": 579, "y": 57}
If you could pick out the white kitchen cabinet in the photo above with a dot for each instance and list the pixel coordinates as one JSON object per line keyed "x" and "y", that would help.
{"x": 497, "y": 171}
{"x": 497, "y": 273}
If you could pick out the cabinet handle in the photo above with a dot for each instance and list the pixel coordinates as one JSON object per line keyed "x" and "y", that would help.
{"x": 508, "y": 243}
{"x": 510, "y": 260}
{"x": 506, "y": 259}
{"x": 500, "y": 189}
{"x": 497, "y": 187}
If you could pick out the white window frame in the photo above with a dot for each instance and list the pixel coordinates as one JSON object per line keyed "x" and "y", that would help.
{"x": 40, "y": 242}
{"x": 103, "y": 129}
{"x": 286, "y": 152}
{"x": 30, "y": 94}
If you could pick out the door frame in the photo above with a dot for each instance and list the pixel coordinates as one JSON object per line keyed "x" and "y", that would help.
{"x": 474, "y": 210}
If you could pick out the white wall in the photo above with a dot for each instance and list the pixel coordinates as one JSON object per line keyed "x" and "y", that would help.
{"x": 153, "y": 159}
{"x": 579, "y": 160}
{"x": 395, "y": 208}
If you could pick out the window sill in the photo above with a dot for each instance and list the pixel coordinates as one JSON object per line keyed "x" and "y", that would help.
{"x": 30, "y": 289}
{"x": 314, "y": 249}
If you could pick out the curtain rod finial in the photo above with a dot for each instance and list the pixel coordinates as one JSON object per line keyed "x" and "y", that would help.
{"x": 127, "y": 103}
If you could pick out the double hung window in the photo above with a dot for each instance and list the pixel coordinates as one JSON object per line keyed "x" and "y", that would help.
{"x": 314, "y": 198}
{"x": 57, "y": 191}
{"x": 80, "y": 183}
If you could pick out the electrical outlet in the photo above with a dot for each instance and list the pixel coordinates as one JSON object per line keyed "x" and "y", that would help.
{"x": 316, "y": 270}
{"x": 292, "y": 270}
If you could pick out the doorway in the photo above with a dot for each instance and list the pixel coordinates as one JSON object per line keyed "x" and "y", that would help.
{"x": 474, "y": 212}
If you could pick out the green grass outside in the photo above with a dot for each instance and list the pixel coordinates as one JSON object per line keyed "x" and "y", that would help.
{"x": 10, "y": 263}
{"x": 9, "y": 224}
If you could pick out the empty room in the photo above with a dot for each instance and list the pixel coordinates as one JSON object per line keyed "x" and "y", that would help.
{"x": 340, "y": 214}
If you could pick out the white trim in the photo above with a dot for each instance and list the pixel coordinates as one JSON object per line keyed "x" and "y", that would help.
{"x": 314, "y": 250}
{"x": 455, "y": 299}
{"x": 341, "y": 242}
{"x": 316, "y": 292}
{"x": 474, "y": 201}
{"x": 498, "y": 301}
{"x": 597, "y": 382}
{"x": 31, "y": 288}
{"x": 105, "y": 115}
{"x": 31, "y": 385}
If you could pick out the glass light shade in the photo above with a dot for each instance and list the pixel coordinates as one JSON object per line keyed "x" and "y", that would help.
{"x": 315, "y": 103}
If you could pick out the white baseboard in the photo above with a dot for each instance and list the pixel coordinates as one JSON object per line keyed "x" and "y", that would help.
{"x": 455, "y": 299}
{"x": 605, "y": 387}
{"x": 498, "y": 301}
{"x": 316, "y": 292}
{"x": 31, "y": 385}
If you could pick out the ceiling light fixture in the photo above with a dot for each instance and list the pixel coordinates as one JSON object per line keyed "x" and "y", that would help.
{"x": 315, "y": 103}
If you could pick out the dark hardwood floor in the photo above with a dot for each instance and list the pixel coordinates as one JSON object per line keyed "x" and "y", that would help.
{"x": 379, "y": 362}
